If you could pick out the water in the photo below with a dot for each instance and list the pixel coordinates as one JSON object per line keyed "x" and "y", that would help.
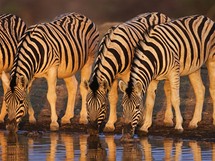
{"x": 76, "y": 146}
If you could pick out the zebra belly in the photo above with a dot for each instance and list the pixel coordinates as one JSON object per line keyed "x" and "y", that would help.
{"x": 189, "y": 70}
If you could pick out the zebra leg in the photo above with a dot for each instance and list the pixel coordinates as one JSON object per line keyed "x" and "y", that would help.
{"x": 168, "y": 113}
{"x": 72, "y": 86}
{"x": 150, "y": 101}
{"x": 32, "y": 119}
{"x": 199, "y": 90}
{"x": 52, "y": 97}
{"x": 211, "y": 73}
{"x": 113, "y": 98}
{"x": 85, "y": 75}
{"x": 174, "y": 79}
{"x": 3, "y": 108}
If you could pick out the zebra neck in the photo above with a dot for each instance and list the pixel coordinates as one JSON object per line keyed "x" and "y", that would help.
{"x": 144, "y": 79}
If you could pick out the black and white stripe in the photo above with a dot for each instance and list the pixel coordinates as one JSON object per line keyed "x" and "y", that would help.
{"x": 12, "y": 28}
{"x": 169, "y": 51}
{"x": 57, "y": 49}
{"x": 116, "y": 51}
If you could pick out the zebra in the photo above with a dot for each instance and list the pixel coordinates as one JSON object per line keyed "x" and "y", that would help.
{"x": 113, "y": 62}
{"x": 56, "y": 49}
{"x": 170, "y": 50}
{"x": 12, "y": 28}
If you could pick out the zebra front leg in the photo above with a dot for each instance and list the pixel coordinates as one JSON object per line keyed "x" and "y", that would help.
{"x": 32, "y": 119}
{"x": 52, "y": 97}
{"x": 85, "y": 75}
{"x": 150, "y": 101}
{"x": 168, "y": 117}
{"x": 71, "y": 85}
{"x": 211, "y": 73}
{"x": 174, "y": 80}
{"x": 113, "y": 98}
{"x": 5, "y": 86}
{"x": 199, "y": 90}
{"x": 3, "y": 112}
{"x": 3, "y": 108}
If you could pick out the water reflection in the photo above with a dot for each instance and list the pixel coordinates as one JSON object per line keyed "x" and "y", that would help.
{"x": 74, "y": 146}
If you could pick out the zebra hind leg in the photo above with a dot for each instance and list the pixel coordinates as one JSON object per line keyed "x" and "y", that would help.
{"x": 211, "y": 74}
{"x": 3, "y": 108}
{"x": 72, "y": 86}
{"x": 199, "y": 90}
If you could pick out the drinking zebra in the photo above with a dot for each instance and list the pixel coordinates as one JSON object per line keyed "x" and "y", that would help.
{"x": 57, "y": 49}
{"x": 116, "y": 51}
{"x": 168, "y": 51}
{"x": 12, "y": 28}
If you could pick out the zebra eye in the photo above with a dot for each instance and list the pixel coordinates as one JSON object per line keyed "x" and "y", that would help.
{"x": 21, "y": 101}
{"x": 137, "y": 107}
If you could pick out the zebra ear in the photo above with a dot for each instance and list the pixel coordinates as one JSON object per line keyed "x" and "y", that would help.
{"x": 138, "y": 88}
{"x": 122, "y": 86}
{"x": 5, "y": 79}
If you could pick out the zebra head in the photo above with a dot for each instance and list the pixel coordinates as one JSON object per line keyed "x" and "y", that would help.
{"x": 96, "y": 102}
{"x": 16, "y": 102}
{"x": 132, "y": 104}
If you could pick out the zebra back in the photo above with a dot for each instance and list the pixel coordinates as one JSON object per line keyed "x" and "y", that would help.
{"x": 187, "y": 42}
{"x": 66, "y": 42}
{"x": 116, "y": 49}
{"x": 12, "y": 28}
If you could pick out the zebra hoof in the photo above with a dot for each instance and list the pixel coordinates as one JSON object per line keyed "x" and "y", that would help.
{"x": 54, "y": 126}
{"x": 109, "y": 129}
{"x": 1, "y": 121}
{"x": 142, "y": 133}
{"x": 168, "y": 123}
{"x": 83, "y": 121}
{"x": 33, "y": 122}
{"x": 179, "y": 130}
{"x": 192, "y": 126}
{"x": 65, "y": 122}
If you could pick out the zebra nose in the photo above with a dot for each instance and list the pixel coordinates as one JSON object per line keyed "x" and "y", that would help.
{"x": 127, "y": 128}
{"x": 11, "y": 125}
{"x": 93, "y": 128}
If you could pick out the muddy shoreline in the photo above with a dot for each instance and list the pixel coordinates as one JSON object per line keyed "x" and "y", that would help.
{"x": 205, "y": 130}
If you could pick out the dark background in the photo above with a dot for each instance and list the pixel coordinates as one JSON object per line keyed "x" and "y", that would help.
{"x": 34, "y": 11}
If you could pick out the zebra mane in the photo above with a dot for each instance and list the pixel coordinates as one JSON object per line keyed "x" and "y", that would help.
{"x": 129, "y": 88}
{"x": 94, "y": 85}
{"x": 13, "y": 83}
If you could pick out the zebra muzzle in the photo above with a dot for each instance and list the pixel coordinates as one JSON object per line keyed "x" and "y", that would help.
{"x": 11, "y": 126}
{"x": 128, "y": 129}
{"x": 93, "y": 128}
